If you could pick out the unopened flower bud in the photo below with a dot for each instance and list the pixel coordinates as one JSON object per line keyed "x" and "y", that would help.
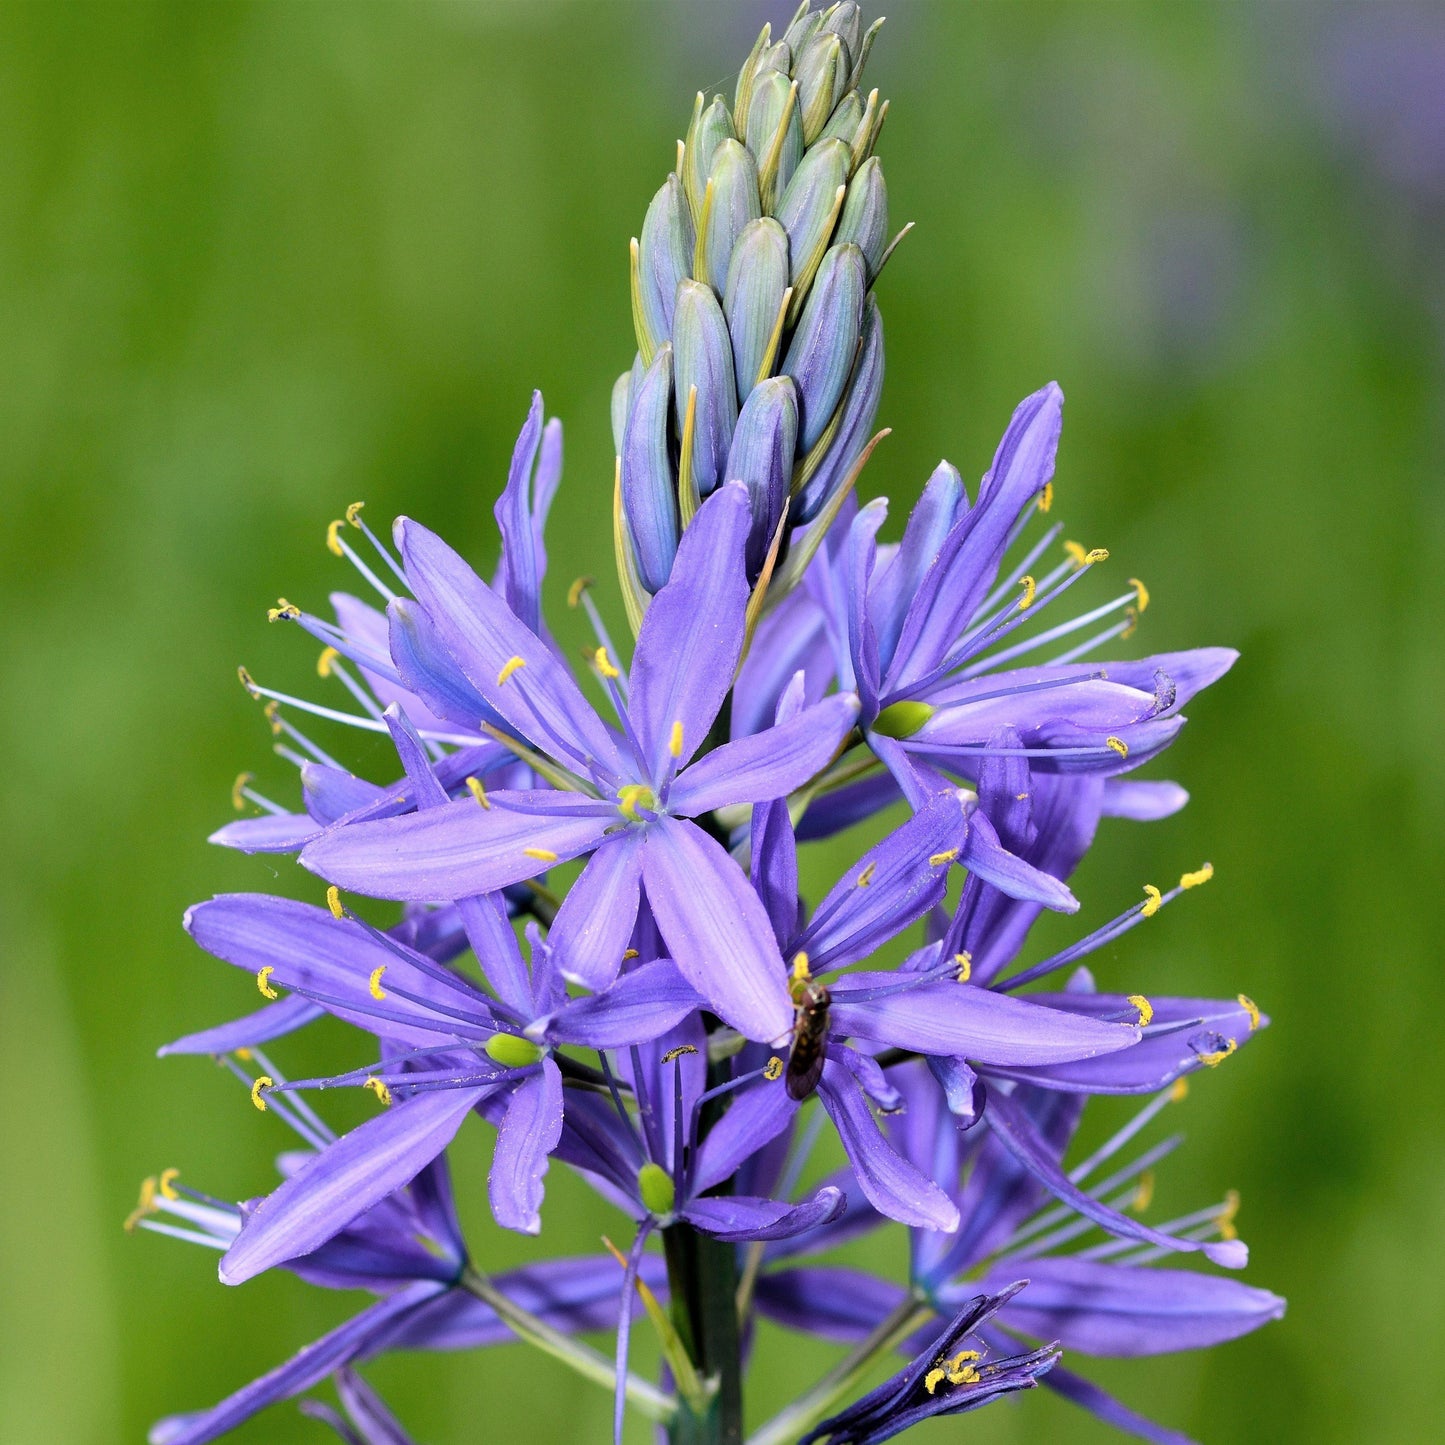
{"x": 709, "y": 129}
{"x": 825, "y": 344}
{"x": 846, "y": 118}
{"x": 775, "y": 133}
{"x": 703, "y": 358}
{"x": 822, "y": 73}
{"x": 664, "y": 259}
{"x": 621, "y": 404}
{"x": 732, "y": 201}
{"x": 809, "y": 211}
{"x": 649, "y": 493}
{"x": 762, "y": 457}
{"x": 864, "y": 221}
{"x": 753, "y": 297}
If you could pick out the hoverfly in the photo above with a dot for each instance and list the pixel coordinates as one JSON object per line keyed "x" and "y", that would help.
{"x": 811, "y": 1002}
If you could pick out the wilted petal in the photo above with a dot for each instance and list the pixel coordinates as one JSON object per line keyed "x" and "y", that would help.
{"x": 739, "y": 1217}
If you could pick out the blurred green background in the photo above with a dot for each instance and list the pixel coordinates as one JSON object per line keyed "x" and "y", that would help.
{"x": 259, "y": 261}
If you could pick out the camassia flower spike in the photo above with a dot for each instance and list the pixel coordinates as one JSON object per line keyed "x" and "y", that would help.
{"x": 590, "y": 933}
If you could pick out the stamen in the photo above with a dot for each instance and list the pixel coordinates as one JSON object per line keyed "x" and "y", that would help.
{"x": 934, "y": 1378}
{"x": 283, "y": 611}
{"x": 937, "y": 860}
{"x": 801, "y": 971}
{"x": 1097, "y": 554}
{"x": 633, "y": 796}
{"x": 1118, "y": 745}
{"x": 865, "y": 877}
{"x": 1144, "y": 1196}
{"x": 965, "y": 966}
{"x": 542, "y": 855}
{"x": 961, "y": 1370}
{"x": 146, "y": 1205}
{"x": 1228, "y": 1214}
{"x": 1142, "y": 592}
{"x": 1213, "y": 1060}
{"x": 1152, "y": 903}
{"x": 353, "y": 514}
{"x": 604, "y": 664}
{"x": 238, "y": 790}
{"x": 1076, "y": 552}
{"x": 511, "y": 665}
{"x": 374, "y": 983}
{"x": 271, "y": 712}
{"x": 328, "y": 657}
{"x": 1131, "y": 624}
{"x": 1030, "y": 588}
{"x": 474, "y": 786}
{"x": 578, "y": 587}
{"x": 1179, "y": 1089}
{"x": 773, "y": 1069}
{"x": 674, "y": 742}
{"x": 333, "y": 902}
{"x": 259, "y": 1085}
{"x": 1046, "y": 497}
{"x": 628, "y": 953}
{"x": 263, "y": 982}
{"x": 1252, "y": 1009}
{"x": 379, "y": 1088}
{"x": 678, "y": 1052}
{"x": 1193, "y": 880}
{"x": 333, "y": 540}
{"x": 1146, "y": 1009}
{"x": 167, "y": 1183}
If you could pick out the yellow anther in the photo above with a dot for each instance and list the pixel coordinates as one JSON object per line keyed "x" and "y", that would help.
{"x": 801, "y": 971}
{"x": 1214, "y": 1060}
{"x": 379, "y": 1088}
{"x": 674, "y": 741}
{"x": 272, "y": 714}
{"x": 263, "y": 982}
{"x": 1030, "y": 588}
{"x": 965, "y": 966}
{"x": 1228, "y": 1216}
{"x": 373, "y": 984}
{"x": 166, "y": 1183}
{"x": 1046, "y": 497}
{"x": 333, "y": 902}
{"x": 238, "y": 790}
{"x": 933, "y": 1379}
{"x": 1077, "y": 553}
{"x": 865, "y": 876}
{"x": 542, "y": 855}
{"x": 773, "y": 1069}
{"x": 144, "y": 1206}
{"x": 630, "y": 953}
{"x": 1096, "y": 554}
{"x": 961, "y": 1370}
{"x": 328, "y": 659}
{"x": 1021, "y": 797}
{"x": 511, "y": 665}
{"x": 283, "y": 611}
{"x": 333, "y": 539}
{"x": 1141, "y": 593}
{"x": 632, "y": 796}
{"x": 575, "y": 591}
{"x": 263, "y": 1082}
{"x": 1193, "y": 880}
{"x": 1146, "y": 1009}
{"x": 475, "y": 788}
{"x": 1118, "y": 745}
{"x": 247, "y": 681}
{"x": 604, "y": 664}
{"x": 937, "y": 860}
{"x": 1153, "y": 901}
{"x": 244, "y": 1055}
{"x": 678, "y": 1052}
{"x": 1252, "y": 1009}
{"x": 353, "y": 512}
{"x": 1179, "y": 1090}
{"x": 1131, "y": 623}
{"x": 1144, "y": 1194}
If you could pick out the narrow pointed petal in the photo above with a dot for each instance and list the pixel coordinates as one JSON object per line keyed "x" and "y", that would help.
{"x": 595, "y": 922}
{"x": 1084, "y": 1393}
{"x": 768, "y": 764}
{"x": 270, "y": 833}
{"x": 458, "y": 850}
{"x": 716, "y": 929}
{"x": 282, "y": 1017}
{"x": 893, "y": 1186}
{"x": 519, "y": 574}
{"x": 740, "y": 1217}
{"x": 1143, "y": 802}
{"x": 641, "y": 1006}
{"x": 986, "y": 858}
{"x": 1017, "y": 1133}
{"x": 346, "y": 1179}
{"x": 692, "y": 635}
{"x": 528, "y": 1133}
{"x": 832, "y": 1301}
{"x": 757, "y": 1113}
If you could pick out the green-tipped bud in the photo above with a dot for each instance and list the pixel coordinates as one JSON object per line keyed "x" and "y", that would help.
{"x": 753, "y": 297}
{"x": 658, "y": 1192}
{"x": 731, "y": 201}
{"x": 664, "y": 259}
{"x": 649, "y": 493}
{"x": 846, "y": 118}
{"x": 709, "y": 129}
{"x": 703, "y": 359}
{"x": 512, "y": 1052}
{"x": 902, "y": 719}
{"x": 808, "y": 212}
{"x": 762, "y": 457}
{"x": 822, "y": 74}
{"x": 825, "y": 345}
{"x": 621, "y": 402}
{"x": 845, "y": 20}
{"x": 802, "y": 28}
{"x": 775, "y": 133}
{"x": 864, "y": 221}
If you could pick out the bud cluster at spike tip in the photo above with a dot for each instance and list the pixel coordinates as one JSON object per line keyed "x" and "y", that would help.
{"x": 679, "y": 1025}
{"x": 759, "y": 341}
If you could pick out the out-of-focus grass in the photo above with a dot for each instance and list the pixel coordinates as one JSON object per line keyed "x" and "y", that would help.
{"x": 259, "y": 261}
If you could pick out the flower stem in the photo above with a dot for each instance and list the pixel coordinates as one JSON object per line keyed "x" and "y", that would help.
{"x": 586, "y": 1361}
{"x": 805, "y": 1412}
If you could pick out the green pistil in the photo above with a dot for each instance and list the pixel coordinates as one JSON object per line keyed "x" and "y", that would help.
{"x": 902, "y": 719}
